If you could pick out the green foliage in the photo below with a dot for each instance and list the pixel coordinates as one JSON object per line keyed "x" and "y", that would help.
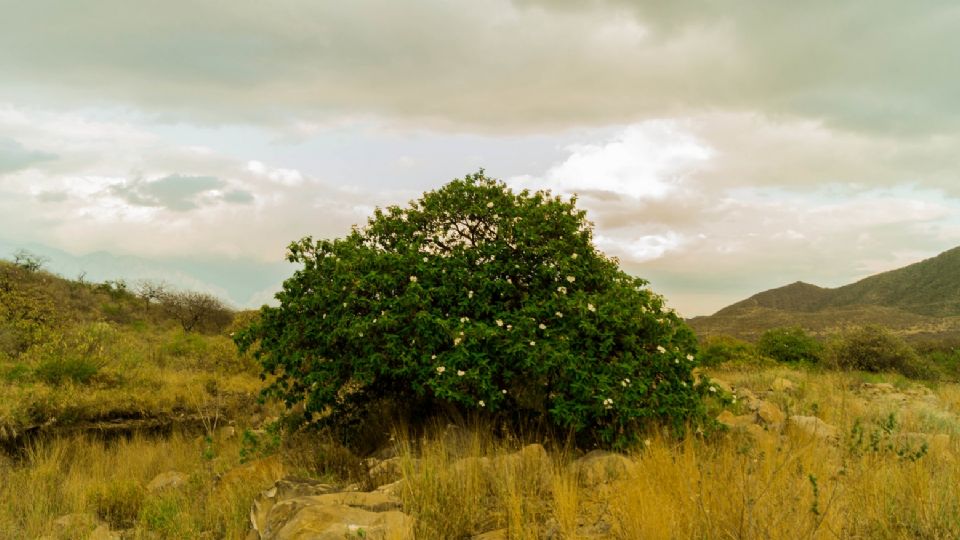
{"x": 76, "y": 354}
{"x": 876, "y": 349}
{"x": 476, "y": 298}
{"x": 723, "y": 349}
{"x": 792, "y": 345}
{"x": 261, "y": 443}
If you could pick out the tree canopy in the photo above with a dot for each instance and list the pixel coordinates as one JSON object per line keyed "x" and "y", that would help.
{"x": 483, "y": 299}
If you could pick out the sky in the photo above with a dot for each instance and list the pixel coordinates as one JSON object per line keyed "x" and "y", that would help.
{"x": 720, "y": 148}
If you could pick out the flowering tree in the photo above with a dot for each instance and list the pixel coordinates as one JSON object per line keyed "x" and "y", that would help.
{"x": 483, "y": 299}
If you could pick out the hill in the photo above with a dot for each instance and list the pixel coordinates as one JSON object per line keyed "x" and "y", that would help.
{"x": 919, "y": 299}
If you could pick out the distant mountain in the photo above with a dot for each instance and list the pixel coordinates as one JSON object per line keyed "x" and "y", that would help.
{"x": 921, "y": 298}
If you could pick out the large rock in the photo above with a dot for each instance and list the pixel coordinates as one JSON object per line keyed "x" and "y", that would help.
{"x": 166, "y": 480}
{"x": 782, "y": 385}
{"x": 601, "y": 467}
{"x": 769, "y": 414}
{"x": 296, "y": 509}
{"x": 812, "y": 426}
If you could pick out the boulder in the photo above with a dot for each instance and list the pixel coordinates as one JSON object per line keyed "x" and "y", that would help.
{"x": 812, "y": 426}
{"x": 601, "y": 467}
{"x": 732, "y": 421}
{"x": 769, "y": 414}
{"x": 782, "y": 385}
{"x": 78, "y": 524}
{"x": 301, "y": 509}
{"x": 166, "y": 480}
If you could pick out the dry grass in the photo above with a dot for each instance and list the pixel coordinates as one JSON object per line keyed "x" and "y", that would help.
{"x": 462, "y": 482}
{"x": 83, "y": 475}
{"x": 781, "y": 485}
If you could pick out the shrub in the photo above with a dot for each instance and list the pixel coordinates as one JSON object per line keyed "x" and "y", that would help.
{"x": 722, "y": 349}
{"x": 792, "y": 345}
{"x": 876, "y": 349}
{"x": 74, "y": 354}
{"x": 475, "y": 298}
{"x": 196, "y": 311}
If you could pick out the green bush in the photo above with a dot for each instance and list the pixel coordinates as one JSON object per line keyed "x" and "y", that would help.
{"x": 792, "y": 345}
{"x": 76, "y": 354}
{"x": 876, "y": 349}
{"x": 722, "y": 349}
{"x": 477, "y": 299}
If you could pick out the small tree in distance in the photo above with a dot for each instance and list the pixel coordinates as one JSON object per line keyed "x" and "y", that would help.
{"x": 196, "y": 311}
{"x": 481, "y": 299}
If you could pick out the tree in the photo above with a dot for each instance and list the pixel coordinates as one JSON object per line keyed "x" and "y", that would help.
{"x": 196, "y": 310}
{"x": 792, "y": 345}
{"x": 29, "y": 261}
{"x": 477, "y": 298}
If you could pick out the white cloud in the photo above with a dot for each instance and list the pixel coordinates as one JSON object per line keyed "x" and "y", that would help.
{"x": 644, "y": 161}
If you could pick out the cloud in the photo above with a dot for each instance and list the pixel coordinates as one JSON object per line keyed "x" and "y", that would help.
{"x": 175, "y": 192}
{"x": 13, "y": 156}
{"x": 644, "y": 161}
{"x": 497, "y": 66}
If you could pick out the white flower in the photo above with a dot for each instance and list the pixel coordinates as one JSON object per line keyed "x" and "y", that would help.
{"x": 571, "y": 279}
{"x": 433, "y": 357}
{"x": 344, "y": 304}
{"x": 413, "y": 279}
{"x": 464, "y": 319}
{"x": 533, "y": 343}
{"x": 713, "y": 389}
{"x": 374, "y": 321}
{"x": 489, "y": 205}
{"x": 573, "y": 212}
{"x": 690, "y": 357}
{"x": 623, "y": 383}
{"x": 591, "y": 308}
{"x": 509, "y": 327}
{"x": 646, "y": 442}
{"x": 499, "y": 322}
{"x": 559, "y": 315}
{"x": 510, "y": 281}
{"x": 683, "y": 384}
{"x": 361, "y": 334}
{"x": 441, "y": 369}
{"x": 456, "y": 341}
{"x": 425, "y": 259}
{"x": 469, "y": 294}
{"x": 660, "y": 349}
{"x": 574, "y": 256}
{"x": 676, "y": 361}
{"x": 324, "y": 315}
{"x": 562, "y": 290}
{"x": 504, "y": 391}
{"x": 461, "y": 373}
{"x": 543, "y": 326}
{"x": 481, "y": 403}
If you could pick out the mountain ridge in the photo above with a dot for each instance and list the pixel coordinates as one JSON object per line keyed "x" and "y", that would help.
{"x": 923, "y": 297}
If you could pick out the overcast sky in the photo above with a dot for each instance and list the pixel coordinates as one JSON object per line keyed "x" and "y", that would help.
{"x": 721, "y": 148}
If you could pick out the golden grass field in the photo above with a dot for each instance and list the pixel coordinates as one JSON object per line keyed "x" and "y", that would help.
{"x": 780, "y": 484}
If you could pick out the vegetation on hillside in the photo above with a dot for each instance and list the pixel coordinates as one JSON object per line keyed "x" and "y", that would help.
{"x": 73, "y": 352}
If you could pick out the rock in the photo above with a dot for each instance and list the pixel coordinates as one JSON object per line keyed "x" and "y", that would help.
{"x": 499, "y": 534}
{"x": 878, "y": 388}
{"x": 782, "y": 385}
{"x": 770, "y": 414}
{"x": 730, "y": 420}
{"x": 388, "y": 470}
{"x": 285, "y": 488}
{"x": 73, "y": 525}
{"x": 166, "y": 480}
{"x": 531, "y": 461}
{"x": 296, "y": 508}
{"x": 601, "y": 467}
{"x": 722, "y": 385}
{"x": 103, "y": 532}
{"x": 814, "y": 427}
